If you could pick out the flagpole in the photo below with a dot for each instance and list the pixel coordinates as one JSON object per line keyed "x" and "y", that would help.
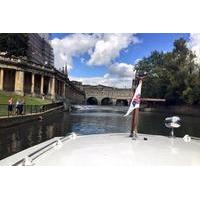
{"x": 133, "y": 113}
{"x": 135, "y": 118}
{"x": 132, "y": 123}
{"x": 135, "y": 102}
{"x": 135, "y": 122}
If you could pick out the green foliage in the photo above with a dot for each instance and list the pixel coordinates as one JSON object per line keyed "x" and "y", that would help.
{"x": 173, "y": 75}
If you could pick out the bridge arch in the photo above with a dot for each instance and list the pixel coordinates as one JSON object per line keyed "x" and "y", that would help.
{"x": 92, "y": 101}
{"x": 107, "y": 101}
{"x": 122, "y": 102}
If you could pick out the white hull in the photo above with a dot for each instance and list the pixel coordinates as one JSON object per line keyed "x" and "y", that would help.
{"x": 116, "y": 149}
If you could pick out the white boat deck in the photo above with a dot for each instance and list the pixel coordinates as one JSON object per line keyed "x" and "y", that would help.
{"x": 115, "y": 149}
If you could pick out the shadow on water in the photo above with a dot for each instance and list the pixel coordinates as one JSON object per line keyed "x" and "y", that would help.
{"x": 17, "y": 138}
{"x": 88, "y": 120}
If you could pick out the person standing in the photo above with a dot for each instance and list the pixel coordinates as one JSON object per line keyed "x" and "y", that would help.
{"x": 20, "y": 107}
{"x": 10, "y": 106}
{"x": 17, "y": 107}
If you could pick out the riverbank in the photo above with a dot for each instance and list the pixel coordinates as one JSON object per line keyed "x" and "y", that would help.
{"x": 4, "y": 97}
{"x": 178, "y": 110}
{"x": 28, "y": 100}
{"x": 20, "y": 119}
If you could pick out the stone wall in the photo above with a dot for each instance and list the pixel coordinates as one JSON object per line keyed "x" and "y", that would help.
{"x": 20, "y": 119}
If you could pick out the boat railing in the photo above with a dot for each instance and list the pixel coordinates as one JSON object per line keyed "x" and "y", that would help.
{"x": 195, "y": 138}
{"x": 28, "y": 160}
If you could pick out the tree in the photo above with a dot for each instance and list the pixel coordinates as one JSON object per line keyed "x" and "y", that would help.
{"x": 173, "y": 75}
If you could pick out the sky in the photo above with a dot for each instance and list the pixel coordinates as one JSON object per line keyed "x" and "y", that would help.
{"x": 109, "y": 58}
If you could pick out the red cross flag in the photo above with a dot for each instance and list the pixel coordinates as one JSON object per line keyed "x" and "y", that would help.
{"x": 135, "y": 102}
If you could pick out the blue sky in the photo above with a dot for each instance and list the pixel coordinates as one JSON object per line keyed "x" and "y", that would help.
{"x": 107, "y": 58}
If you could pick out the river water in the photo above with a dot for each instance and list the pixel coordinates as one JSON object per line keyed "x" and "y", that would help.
{"x": 89, "y": 120}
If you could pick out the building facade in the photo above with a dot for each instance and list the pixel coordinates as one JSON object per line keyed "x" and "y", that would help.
{"x": 31, "y": 71}
{"x": 39, "y": 49}
{"x": 34, "y": 47}
{"x": 24, "y": 78}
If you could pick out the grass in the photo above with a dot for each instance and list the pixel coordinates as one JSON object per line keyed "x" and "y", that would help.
{"x": 4, "y": 96}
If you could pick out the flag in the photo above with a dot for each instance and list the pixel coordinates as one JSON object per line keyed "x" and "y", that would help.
{"x": 135, "y": 102}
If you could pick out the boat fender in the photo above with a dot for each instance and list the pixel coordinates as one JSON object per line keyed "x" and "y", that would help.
{"x": 27, "y": 161}
{"x": 58, "y": 144}
{"x": 187, "y": 138}
{"x": 73, "y": 136}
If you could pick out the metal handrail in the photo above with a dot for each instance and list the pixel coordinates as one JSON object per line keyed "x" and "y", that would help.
{"x": 28, "y": 109}
{"x": 195, "y": 138}
{"x": 50, "y": 145}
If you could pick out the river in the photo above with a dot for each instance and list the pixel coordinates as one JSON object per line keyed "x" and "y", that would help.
{"x": 88, "y": 120}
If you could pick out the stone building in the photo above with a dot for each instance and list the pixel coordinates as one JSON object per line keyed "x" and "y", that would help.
{"x": 26, "y": 78}
{"x": 39, "y": 49}
{"x": 28, "y": 69}
{"x": 34, "y": 47}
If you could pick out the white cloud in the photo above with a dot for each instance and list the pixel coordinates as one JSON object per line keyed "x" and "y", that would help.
{"x": 121, "y": 70}
{"x": 107, "y": 81}
{"x": 137, "y": 60}
{"x": 101, "y": 48}
{"x": 109, "y": 46}
{"x": 83, "y": 60}
{"x": 70, "y": 46}
{"x": 119, "y": 75}
{"x": 194, "y": 45}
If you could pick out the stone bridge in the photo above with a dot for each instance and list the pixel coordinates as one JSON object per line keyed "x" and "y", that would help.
{"x": 103, "y": 95}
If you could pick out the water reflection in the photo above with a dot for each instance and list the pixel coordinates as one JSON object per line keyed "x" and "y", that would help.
{"x": 88, "y": 120}
{"x": 20, "y": 137}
